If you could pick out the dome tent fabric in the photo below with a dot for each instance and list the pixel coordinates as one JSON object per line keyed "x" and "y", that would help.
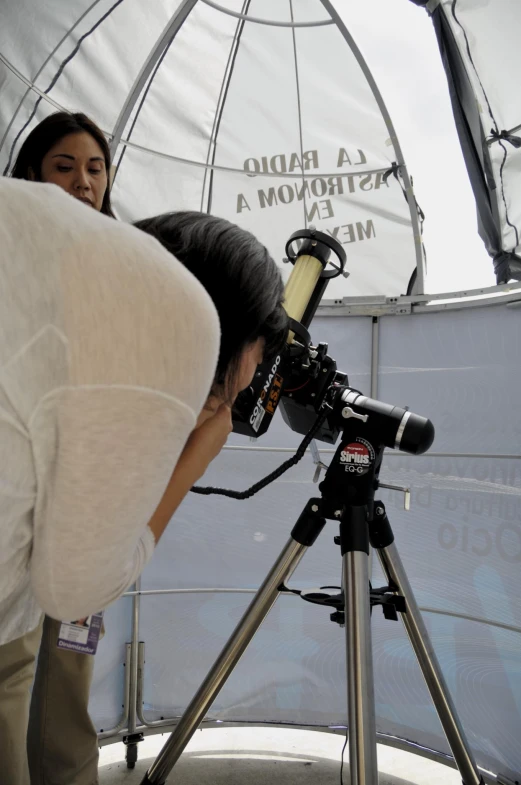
{"x": 126, "y": 79}
{"x": 487, "y": 110}
{"x": 276, "y": 126}
{"x": 204, "y": 84}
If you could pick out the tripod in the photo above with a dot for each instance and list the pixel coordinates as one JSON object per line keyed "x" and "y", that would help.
{"x": 347, "y": 496}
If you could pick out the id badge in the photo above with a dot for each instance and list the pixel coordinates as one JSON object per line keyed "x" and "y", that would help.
{"x": 81, "y": 635}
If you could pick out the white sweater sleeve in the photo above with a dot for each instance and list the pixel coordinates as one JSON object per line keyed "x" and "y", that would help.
{"x": 143, "y": 345}
{"x": 113, "y": 451}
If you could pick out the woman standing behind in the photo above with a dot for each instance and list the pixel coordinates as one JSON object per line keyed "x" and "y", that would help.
{"x": 70, "y": 151}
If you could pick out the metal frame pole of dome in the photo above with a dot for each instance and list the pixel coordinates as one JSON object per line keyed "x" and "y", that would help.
{"x": 328, "y": 5}
{"x": 167, "y": 35}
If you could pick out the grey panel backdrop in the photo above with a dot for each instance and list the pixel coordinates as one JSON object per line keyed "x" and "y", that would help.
{"x": 107, "y": 695}
{"x": 460, "y": 543}
{"x": 462, "y": 368}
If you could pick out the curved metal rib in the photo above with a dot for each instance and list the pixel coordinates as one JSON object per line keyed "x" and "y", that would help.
{"x": 168, "y": 33}
{"x": 269, "y": 22}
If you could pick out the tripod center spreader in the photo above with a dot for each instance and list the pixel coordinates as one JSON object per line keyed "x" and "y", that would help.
{"x": 333, "y": 597}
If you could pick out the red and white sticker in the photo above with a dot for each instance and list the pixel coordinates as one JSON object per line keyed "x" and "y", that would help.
{"x": 357, "y": 457}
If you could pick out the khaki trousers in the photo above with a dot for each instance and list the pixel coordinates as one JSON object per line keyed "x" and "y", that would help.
{"x": 46, "y": 738}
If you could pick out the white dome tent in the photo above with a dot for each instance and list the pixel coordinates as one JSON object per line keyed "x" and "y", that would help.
{"x": 265, "y": 112}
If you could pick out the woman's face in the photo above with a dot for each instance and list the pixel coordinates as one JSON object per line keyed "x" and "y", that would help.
{"x": 77, "y": 165}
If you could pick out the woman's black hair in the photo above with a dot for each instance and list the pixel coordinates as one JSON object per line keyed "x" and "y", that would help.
{"x": 48, "y": 133}
{"x": 238, "y": 273}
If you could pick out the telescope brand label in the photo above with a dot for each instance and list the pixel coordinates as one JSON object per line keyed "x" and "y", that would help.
{"x": 357, "y": 457}
{"x": 274, "y": 394}
{"x": 268, "y": 397}
{"x": 257, "y": 418}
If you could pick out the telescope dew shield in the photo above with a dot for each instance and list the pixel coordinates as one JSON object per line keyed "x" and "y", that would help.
{"x": 300, "y": 286}
{"x": 255, "y": 407}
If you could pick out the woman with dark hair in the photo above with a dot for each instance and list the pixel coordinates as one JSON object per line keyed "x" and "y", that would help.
{"x": 72, "y": 152}
{"x": 119, "y": 363}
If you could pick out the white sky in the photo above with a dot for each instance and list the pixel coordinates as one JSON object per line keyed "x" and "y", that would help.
{"x": 398, "y": 42}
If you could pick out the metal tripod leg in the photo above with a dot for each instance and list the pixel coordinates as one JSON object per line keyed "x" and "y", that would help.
{"x": 360, "y": 687}
{"x": 306, "y": 530}
{"x": 354, "y": 542}
{"x": 420, "y": 641}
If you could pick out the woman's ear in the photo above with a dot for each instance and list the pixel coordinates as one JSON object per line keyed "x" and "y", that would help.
{"x": 30, "y": 174}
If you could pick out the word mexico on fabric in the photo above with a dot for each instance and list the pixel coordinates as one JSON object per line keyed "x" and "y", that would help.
{"x": 316, "y": 192}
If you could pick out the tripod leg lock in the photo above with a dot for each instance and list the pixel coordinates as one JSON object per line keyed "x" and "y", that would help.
{"x": 310, "y": 523}
{"x": 380, "y": 532}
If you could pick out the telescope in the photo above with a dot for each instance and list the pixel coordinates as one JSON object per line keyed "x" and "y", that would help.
{"x": 303, "y": 377}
